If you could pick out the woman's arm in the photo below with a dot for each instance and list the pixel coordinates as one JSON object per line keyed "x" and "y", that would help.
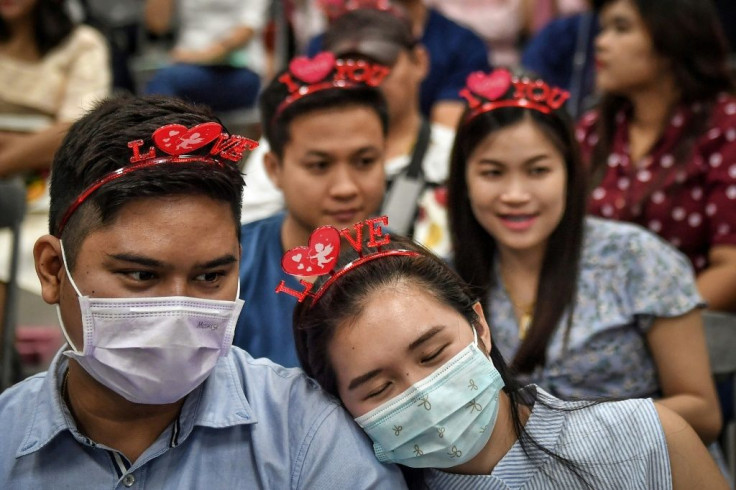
{"x": 21, "y": 151}
{"x": 691, "y": 465}
{"x": 717, "y": 283}
{"x": 680, "y": 354}
{"x": 236, "y": 38}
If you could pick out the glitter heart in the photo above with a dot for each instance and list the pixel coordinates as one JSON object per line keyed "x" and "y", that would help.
{"x": 312, "y": 70}
{"x": 492, "y": 86}
{"x": 176, "y": 139}
{"x": 318, "y": 258}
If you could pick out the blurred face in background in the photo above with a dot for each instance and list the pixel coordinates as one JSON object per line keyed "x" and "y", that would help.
{"x": 626, "y": 61}
{"x": 14, "y": 10}
{"x": 331, "y": 172}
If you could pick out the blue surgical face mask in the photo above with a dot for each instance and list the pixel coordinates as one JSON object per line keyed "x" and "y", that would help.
{"x": 443, "y": 420}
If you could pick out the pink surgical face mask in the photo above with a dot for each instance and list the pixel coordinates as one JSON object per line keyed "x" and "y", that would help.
{"x": 152, "y": 350}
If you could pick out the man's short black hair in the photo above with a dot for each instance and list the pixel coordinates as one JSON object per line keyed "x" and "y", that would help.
{"x": 276, "y": 124}
{"x": 97, "y": 144}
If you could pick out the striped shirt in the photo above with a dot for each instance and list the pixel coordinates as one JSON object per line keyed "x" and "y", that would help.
{"x": 615, "y": 445}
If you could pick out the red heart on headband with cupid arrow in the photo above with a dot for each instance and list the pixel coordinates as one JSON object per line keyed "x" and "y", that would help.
{"x": 491, "y": 86}
{"x": 318, "y": 258}
{"x": 312, "y": 70}
{"x": 176, "y": 139}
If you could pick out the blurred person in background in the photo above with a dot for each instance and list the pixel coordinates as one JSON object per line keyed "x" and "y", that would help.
{"x": 218, "y": 56}
{"x": 662, "y": 143}
{"x": 51, "y": 72}
{"x": 454, "y": 53}
{"x": 502, "y": 24}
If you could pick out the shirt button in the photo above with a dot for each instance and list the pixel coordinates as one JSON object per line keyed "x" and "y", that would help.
{"x": 128, "y": 480}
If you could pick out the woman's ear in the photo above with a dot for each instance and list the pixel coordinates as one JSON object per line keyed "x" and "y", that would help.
{"x": 481, "y": 326}
{"x": 49, "y": 267}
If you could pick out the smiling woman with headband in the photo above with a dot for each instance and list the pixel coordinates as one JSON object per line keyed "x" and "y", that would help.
{"x": 396, "y": 335}
{"x": 584, "y": 307}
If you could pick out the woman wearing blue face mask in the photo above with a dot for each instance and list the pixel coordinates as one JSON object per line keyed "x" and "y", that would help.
{"x": 399, "y": 338}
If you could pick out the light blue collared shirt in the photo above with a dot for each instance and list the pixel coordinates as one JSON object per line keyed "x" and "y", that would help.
{"x": 251, "y": 424}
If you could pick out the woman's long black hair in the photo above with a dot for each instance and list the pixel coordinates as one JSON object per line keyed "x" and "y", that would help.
{"x": 52, "y": 25}
{"x": 474, "y": 248}
{"x": 689, "y": 35}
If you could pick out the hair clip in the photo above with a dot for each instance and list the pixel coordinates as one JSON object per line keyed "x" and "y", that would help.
{"x": 488, "y": 91}
{"x": 177, "y": 142}
{"x": 309, "y": 75}
{"x": 319, "y": 257}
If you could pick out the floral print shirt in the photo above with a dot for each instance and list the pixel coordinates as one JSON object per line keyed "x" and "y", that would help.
{"x": 689, "y": 200}
{"x": 628, "y": 277}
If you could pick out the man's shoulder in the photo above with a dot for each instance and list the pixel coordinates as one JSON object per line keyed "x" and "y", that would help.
{"x": 17, "y": 398}
{"x": 266, "y": 383}
{"x": 19, "y": 405}
{"x": 265, "y": 226}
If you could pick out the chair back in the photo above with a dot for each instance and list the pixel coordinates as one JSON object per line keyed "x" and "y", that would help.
{"x": 720, "y": 335}
{"x": 12, "y": 211}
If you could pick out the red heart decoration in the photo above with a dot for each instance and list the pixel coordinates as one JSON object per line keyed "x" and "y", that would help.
{"x": 312, "y": 70}
{"x": 318, "y": 258}
{"x": 176, "y": 139}
{"x": 490, "y": 86}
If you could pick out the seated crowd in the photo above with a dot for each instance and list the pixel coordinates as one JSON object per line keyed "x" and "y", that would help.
{"x": 418, "y": 272}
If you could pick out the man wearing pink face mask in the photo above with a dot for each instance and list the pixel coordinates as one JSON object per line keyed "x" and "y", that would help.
{"x": 142, "y": 264}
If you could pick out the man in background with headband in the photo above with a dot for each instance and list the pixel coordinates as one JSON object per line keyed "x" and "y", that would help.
{"x": 142, "y": 262}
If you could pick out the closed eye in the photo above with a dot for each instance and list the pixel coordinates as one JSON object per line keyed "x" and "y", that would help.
{"x": 377, "y": 392}
{"x": 434, "y": 355}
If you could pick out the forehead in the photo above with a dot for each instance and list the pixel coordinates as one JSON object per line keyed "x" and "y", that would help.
{"x": 620, "y": 8}
{"x": 196, "y": 224}
{"x": 521, "y": 140}
{"x": 397, "y": 312}
{"x": 346, "y": 128}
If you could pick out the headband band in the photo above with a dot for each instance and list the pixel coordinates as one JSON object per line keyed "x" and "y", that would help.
{"x": 307, "y": 76}
{"x": 486, "y": 92}
{"x": 320, "y": 256}
{"x": 175, "y": 141}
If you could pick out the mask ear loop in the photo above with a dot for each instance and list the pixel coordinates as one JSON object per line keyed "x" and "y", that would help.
{"x": 58, "y": 308}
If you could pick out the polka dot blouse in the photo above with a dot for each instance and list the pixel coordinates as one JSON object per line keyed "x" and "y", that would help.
{"x": 688, "y": 200}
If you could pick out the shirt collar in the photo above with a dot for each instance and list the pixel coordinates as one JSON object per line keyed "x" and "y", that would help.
{"x": 219, "y": 402}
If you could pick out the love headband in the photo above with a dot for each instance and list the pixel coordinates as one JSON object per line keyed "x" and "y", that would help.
{"x": 320, "y": 256}
{"x": 489, "y": 91}
{"x": 309, "y": 75}
{"x": 175, "y": 141}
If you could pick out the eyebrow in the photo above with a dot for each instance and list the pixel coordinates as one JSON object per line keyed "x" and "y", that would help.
{"x": 324, "y": 154}
{"x": 426, "y": 336}
{"x": 363, "y": 378}
{"x": 149, "y": 262}
{"x": 530, "y": 161}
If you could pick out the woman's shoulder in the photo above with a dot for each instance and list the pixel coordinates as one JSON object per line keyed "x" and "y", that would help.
{"x": 608, "y": 242}
{"x": 82, "y": 38}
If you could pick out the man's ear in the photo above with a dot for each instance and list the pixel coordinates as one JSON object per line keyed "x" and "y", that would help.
{"x": 49, "y": 267}
{"x": 484, "y": 332}
{"x": 273, "y": 166}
